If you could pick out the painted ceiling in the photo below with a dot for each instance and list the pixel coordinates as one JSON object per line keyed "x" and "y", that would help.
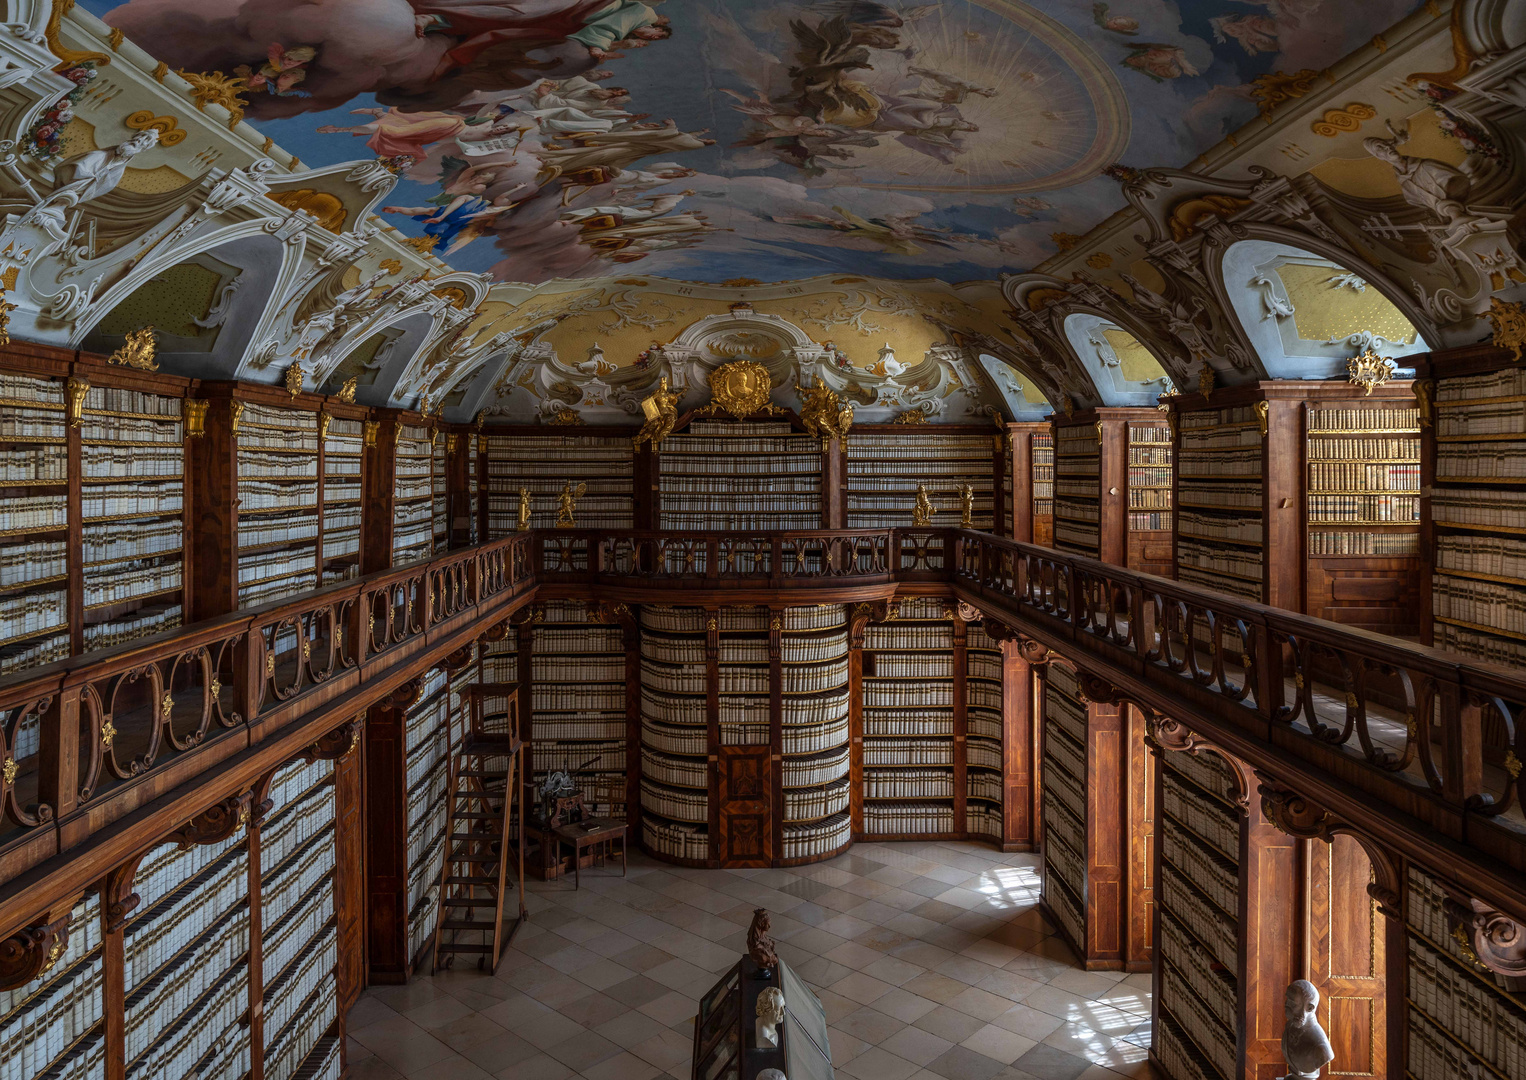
{"x": 730, "y": 142}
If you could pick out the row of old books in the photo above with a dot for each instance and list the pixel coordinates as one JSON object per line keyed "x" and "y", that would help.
{"x": 53, "y": 1026}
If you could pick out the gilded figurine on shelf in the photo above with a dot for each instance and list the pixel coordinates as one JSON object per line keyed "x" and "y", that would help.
{"x": 566, "y": 505}
{"x": 524, "y": 509}
{"x": 661, "y": 411}
{"x": 922, "y": 513}
{"x": 824, "y": 415}
{"x": 967, "y": 504}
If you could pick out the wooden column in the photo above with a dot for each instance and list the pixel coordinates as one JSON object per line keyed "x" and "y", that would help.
{"x": 1019, "y": 461}
{"x": 1020, "y": 750}
{"x": 386, "y": 838}
{"x": 858, "y": 618}
{"x": 1284, "y": 502}
{"x": 379, "y": 491}
{"x": 834, "y": 487}
{"x": 645, "y": 487}
{"x": 349, "y": 876}
{"x": 524, "y": 663}
{"x": 458, "y": 500}
{"x": 1269, "y": 946}
{"x": 1107, "y": 838}
{"x": 211, "y": 491}
{"x": 1141, "y": 819}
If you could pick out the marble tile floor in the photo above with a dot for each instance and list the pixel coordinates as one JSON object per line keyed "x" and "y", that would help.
{"x": 932, "y": 960}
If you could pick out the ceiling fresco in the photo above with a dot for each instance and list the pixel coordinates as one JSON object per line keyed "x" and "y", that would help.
{"x": 728, "y": 142}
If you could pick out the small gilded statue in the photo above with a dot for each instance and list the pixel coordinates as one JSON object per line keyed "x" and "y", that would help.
{"x": 1305, "y": 1048}
{"x": 524, "y": 509}
{"x": 922, "y": 513}
{"x": 967, "y": 503}
{"x": 566, "y": 505}
{"x": 824, "y": 415}
{"x": 661, "y": 411}
{"x": 759, "y": 945}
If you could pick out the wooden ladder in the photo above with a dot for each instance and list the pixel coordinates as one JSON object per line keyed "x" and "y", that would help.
{"x": 484, "y": 775}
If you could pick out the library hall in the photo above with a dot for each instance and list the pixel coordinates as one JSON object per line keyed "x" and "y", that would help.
{"x": 992, "y": 534}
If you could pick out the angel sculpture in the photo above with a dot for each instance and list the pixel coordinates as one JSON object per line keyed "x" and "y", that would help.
{"x": 823, "y": 414}
{"x": 967, "y": 498}
{"x": 922, "y": 512}
{"x": 661, "y": 410}
{"x": 524, "y": 509}
{"x": 566, "y": 505}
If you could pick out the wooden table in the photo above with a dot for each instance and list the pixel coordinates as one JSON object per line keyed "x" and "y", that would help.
{"x": 597, "y": 833}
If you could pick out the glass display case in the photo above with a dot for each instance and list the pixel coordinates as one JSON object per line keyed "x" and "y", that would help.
{"x": 725, "y": 1040}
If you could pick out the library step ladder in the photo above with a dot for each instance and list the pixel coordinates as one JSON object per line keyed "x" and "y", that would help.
{"x": 484, "y": 775}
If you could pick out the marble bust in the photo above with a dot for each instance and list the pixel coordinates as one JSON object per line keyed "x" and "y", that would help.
{"x": 770, "y": 1016}
{"x": 1304, "y": 1045}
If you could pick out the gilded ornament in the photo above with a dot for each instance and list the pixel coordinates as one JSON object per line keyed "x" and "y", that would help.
{"x": 215, "y": 689}
{"x": 452, "y": 444}
{"x": 236, "y": 415}
{"x": 922, "y": 512}
{"x": 910, "y": 416}
{"x": 54, "y": 953}
{"x": 1205, "y": 381}
{"x": 661, "y": 412}
{"x": 967, "y": 502}
{"x": 1509, "y": 321}
{"x": 194, "y": 414}
{"x": 324, "y": 420}
{"x": 108, "y": 734}
{"x": 524, "y": 509}
{"x": 50, "y": 34}
{"x": 1425, "y": 390}
{"x": 371, "y": 624}
{"x": 215, "y": 88}
{"x": 10, "y": 770}
{"x": 1369, "y": 371}
{"x": 565, "y": 417}
{"x": 115, "y": 38}
{"x": 294, "y": 379}
{"x": 566, "y": 505}
{"x": 710, "y": 624}
{"x": 1263, "y": 409}
{"x": 338, "y": 638}
{"x": 169, "y": 129}
{"x": 424, "y": 245}
{"x": 824, "y": 415}
{"x": 347, "y": 391}
{"x": 270, "y": 664}
{"x": 167, "y": 705}
{"x": 1512, "y": 765}
{"x": 307, "y": 649}
{"x": 1273, "y": 88}
{"x": 74, "y": 396}
{"x": 1068, "y": 403}
{"x": 741, "y": 387}
{"x": 1338, "y": 121}
{"x": 368, "y": 436}
{"x": 137, "y": 351}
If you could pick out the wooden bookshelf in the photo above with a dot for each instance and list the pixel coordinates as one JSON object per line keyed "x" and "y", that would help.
{"x": 1029, "y": 480}
{"x": 813, "y": 780}
{"x": 762, "y": 474}
{"x": 1148, "y": 480}
{"x": 886, "y": 462}
{"x": 676, "y": 734}
{"x": 577, "y": 704}
{"x": 985, "y": 731}
{"x": 516, "y": 457}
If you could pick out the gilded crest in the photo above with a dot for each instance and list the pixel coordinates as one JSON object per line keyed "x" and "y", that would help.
{"x": 741, "y": 387}
{"x": 347, "y": 391}
{"x": 1509, "y": 321}
{"x": 137, "y": 351}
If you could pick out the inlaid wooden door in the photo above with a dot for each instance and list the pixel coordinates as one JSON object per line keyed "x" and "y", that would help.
{"x": 746, "y": 806}
{"x": 1346, "y": 947}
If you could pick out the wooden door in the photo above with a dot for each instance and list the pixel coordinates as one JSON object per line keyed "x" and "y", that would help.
{"x": 1346, "y": 951}
{"x": 746, "y": 806}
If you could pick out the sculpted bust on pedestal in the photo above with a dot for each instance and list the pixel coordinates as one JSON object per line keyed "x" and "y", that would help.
{"x": 1304, "y": 1045}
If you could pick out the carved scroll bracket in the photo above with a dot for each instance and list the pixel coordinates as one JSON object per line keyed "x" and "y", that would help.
{"x": 32, "y": 951}
{"x": 217, "y": 822}
{"x": 1297, "y": 815}
{"x": 335, "y": 744}
{"x": 1497, "y": 941}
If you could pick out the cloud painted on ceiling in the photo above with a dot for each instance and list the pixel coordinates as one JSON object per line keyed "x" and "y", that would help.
{"x": 712, "y": 140}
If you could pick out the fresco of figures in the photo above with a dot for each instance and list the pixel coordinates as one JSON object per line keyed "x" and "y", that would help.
{"x": 717, "y": 139}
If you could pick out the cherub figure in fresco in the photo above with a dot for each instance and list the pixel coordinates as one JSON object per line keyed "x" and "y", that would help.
{"x": 282, "y": 70}
{"x": 392, "y": 132}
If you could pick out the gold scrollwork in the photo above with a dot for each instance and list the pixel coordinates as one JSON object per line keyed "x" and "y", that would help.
{"x": 1509, "y": 321}
{"x": 370, "y": 428}
{"x": 169, "y": 129}
{"x": 294, "y": 379}
{"x": 1338, "y": 121}
{"x": 137, "y": 351}
{"x": 194, "y": 414}
{"x": 10, "y": 770}
{"x": 1369, "y": 371}
{"x": 1263, "y": 409}
{"x": 74, "y": 396}
{"x": 236, "y": 415}
{"x": 108, "y": 735}
{"x": 741, "y": 387}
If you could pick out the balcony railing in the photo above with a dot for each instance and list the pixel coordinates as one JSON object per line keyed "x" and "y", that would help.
{"x": 1408, "y": 736}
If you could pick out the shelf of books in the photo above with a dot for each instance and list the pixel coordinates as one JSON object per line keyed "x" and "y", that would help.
{"x": 983, "y": 721}
{"x": 439, "y": 490}
{"x": 739, "y": 475}
{"x": 908, "y": 709}
{"x": 577, "y": 708}
{"x": 427, "y": 750}
{"x": 34, "y": 523}
{"x": 1462, "y": 1018}
{"x": 1149, "y": 486}
{"x": 277, "y": 478}
{"x": 1220, "y": 539}
{"x": 813, "y": 653}
{"x": 1063, "y": 800}
{"x": 1475, "y": 458}
{"x": 343, "y": 452}
{"x": 298, "y": 928}
{"x": 1078, "y": 487}
{"x": 1197, "y": 962}
{"x": 675, "y": 733}
{"x": 1364, "y": 512}
{"x": 55, "y": 1024}
{"x": 543, "y": 463}
{"x": 474, "y": 531}
{"x": 886, "y": 463}
{"x": 186, "y": 963}
{"x": 743, "y": 664}
{"x": 1043, "y": 488}
{"x": 413, "y": 495}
